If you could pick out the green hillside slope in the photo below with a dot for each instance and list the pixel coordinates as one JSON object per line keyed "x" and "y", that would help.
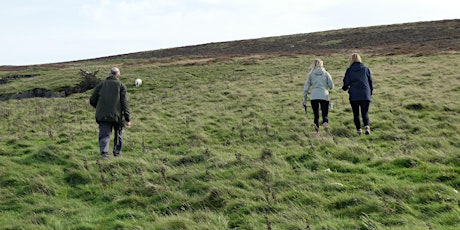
{"x": 224, "y": 143}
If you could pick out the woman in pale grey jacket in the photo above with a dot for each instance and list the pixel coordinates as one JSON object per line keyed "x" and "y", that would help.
{"x": 320, "y": 82}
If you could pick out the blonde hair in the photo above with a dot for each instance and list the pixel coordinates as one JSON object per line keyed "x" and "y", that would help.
{"x": 354, "y": 57}
{"x": 316, "y": 63}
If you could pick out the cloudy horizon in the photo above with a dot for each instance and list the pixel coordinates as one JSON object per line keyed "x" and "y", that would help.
{"x": 50, "y": 31}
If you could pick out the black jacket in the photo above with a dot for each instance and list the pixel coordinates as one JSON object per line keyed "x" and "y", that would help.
{"x": 358, "y": 82}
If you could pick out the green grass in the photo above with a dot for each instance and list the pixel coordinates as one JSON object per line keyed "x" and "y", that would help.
{"x": 225, "y": 144}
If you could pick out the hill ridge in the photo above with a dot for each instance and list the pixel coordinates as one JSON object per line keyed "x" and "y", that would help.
{"x": 415, "y": 37}
{"x": 386, "y": 39}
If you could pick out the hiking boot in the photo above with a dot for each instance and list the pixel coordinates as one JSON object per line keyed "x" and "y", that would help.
{"x": 326, "y": 125}
{"x": 360, "y": 132}
{"x": 367, "y": 130}
{"x": 105, "y": 156}
{"x": 317, "y": 132}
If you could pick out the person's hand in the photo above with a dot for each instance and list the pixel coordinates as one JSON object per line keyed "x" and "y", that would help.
{"x": 304, "y": 103}
{"x": 128, "y": 123}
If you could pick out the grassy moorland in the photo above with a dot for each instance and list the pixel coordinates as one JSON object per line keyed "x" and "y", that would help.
{"x": 224, "y": 143}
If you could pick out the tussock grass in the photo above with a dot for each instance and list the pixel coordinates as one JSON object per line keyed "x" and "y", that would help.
{"x": 225, "y": 143}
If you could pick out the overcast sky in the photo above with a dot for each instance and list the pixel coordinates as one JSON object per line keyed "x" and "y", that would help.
{"x": 49, "y": 31}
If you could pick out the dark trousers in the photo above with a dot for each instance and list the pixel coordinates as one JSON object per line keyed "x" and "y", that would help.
{"x": 356, "y": 106}
{"x": 315, "y": 105}
{"x": 105, "y": 131}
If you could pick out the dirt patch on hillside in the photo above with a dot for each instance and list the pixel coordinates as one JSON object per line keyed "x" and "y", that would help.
{"x": 8, "y": 78}
{"x": 89, "y": 81}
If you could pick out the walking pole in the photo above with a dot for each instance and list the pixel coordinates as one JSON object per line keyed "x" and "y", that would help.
{"x": 305, "y": 109}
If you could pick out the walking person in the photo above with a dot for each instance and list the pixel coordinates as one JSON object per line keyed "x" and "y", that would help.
{"x": 112, "y": 112}
{"x": 320, "y": 82}
{"x": 358, "y": 82}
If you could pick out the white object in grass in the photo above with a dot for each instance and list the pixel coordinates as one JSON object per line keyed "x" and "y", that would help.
{"x": 138, "y": 82}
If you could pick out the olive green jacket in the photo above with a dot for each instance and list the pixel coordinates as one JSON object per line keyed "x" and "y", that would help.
{"x": 110, "y": 100}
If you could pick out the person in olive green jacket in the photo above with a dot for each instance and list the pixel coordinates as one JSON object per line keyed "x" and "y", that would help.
{"x": 112, "y": 112}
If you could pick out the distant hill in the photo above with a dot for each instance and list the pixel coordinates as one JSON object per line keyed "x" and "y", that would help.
{"x": 420, "y": 37}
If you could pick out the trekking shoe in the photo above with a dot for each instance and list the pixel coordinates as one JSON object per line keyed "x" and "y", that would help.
{"x": 105, "y": 156}
{"x": 325, "y": 124}
{"x": 360, "y": 132}
{"x": 317, "y": 132}
{"x": 367, "y": 130}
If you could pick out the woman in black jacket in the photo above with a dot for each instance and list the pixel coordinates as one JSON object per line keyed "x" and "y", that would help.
{"x": 358, "y": 82}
